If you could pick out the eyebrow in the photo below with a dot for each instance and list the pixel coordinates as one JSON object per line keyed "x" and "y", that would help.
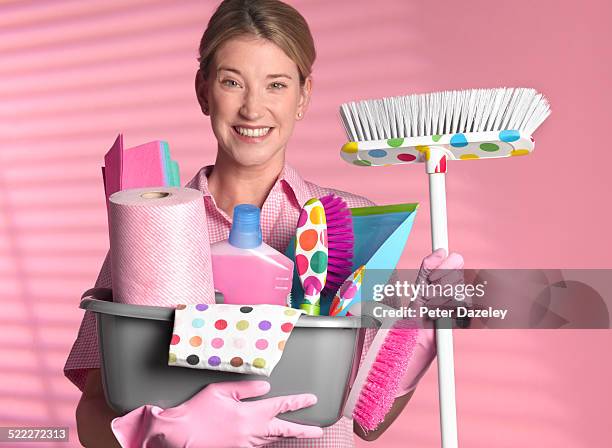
{"x": 271, "y": 76}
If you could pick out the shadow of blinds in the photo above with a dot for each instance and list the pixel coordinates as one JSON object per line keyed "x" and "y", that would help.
{"x": 73, "y": 75}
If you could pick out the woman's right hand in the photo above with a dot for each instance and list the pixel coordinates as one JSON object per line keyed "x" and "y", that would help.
{"x": 216, "y": 417}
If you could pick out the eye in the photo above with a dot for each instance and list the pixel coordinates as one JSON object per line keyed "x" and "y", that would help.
{"x": 230, "y": 83}
{"x": 278, "y": 85}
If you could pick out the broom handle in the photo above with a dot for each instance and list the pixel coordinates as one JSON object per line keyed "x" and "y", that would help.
{"x": 436, "y": 168}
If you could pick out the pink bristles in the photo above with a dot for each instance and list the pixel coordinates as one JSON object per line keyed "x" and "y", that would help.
{"x": 340, "y": 242}
{"x": 382, "y": 383}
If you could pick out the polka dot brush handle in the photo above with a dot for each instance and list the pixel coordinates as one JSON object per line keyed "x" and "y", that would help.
{"x": 348, "y": 294}
{"x": 311, "y": 253}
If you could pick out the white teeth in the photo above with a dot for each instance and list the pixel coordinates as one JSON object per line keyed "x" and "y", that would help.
{"x": 259, "y": 132}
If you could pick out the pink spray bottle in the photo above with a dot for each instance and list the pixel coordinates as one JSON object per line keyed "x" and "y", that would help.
{"x": 245, "y": 269}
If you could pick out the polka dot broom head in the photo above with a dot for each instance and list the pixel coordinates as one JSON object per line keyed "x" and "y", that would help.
{"x": 467, "y": 124}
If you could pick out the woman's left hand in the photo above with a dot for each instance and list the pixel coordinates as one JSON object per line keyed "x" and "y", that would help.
{"x": 439, "y": 269}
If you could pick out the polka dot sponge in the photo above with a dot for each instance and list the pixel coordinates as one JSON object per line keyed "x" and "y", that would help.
{"x": 231, "y": 338}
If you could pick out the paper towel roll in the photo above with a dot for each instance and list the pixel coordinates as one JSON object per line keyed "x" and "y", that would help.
{"x": 160, "y": 250}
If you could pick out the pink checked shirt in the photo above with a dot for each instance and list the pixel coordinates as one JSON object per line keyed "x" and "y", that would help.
{"x": 279, "y": 216}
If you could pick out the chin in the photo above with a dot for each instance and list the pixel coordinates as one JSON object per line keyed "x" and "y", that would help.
{"x": 248, "y": 157}
{"x": 250, "y": 162}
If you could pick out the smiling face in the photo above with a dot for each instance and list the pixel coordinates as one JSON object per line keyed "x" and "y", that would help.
{"x": 254, "y": 97}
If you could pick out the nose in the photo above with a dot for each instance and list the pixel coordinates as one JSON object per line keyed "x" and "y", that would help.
{"x": 252, "y": 105}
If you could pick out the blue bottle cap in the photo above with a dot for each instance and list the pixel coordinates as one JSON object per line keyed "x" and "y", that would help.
{"x": 246, "y": 228}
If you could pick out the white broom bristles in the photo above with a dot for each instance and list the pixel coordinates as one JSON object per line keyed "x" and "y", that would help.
{"x": 449, "y": 112}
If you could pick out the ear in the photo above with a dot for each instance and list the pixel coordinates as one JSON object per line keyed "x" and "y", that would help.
{"x": 201, "y": 87}
{"x": 304, "y": 101}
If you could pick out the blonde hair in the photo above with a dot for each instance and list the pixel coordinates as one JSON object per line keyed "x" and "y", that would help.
{"x": 273, "y": 20}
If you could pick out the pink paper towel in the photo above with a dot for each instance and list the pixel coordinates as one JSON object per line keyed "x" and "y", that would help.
{"x": 160, "y": 250}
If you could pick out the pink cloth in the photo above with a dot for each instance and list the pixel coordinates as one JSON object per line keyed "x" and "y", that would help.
{"x": 279, "y": 216}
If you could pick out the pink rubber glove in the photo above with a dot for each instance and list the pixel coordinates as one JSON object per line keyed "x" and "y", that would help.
{"x": 215, "y": 417}
{"x": 435, "y": 268}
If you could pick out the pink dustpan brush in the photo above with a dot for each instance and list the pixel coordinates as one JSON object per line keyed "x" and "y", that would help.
{"x": 378, "y": 379}
{"x": 340, "y": 242}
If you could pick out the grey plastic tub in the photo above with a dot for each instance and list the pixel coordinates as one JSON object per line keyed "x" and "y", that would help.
{"x": 321, "y": 357}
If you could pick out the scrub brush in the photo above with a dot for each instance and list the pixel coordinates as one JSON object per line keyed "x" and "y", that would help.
{"x": 378, "y": 378}
{"x": 340, "y": 242}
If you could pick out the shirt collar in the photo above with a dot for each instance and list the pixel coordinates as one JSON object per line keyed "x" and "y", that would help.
{"x": 297, "y": 186}
{"x": 200, "y": 181}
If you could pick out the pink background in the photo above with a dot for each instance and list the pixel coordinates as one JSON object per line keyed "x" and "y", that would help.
{"x": 74, "y": 74}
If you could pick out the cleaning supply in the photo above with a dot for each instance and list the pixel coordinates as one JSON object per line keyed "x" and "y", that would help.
{"x": 432, "y": 129}
{"x": 311, "y": 253}
{"x": 160, "y": 250}
{"x": 134, "y": 357}
{"x": 231, "y": 338}
{"x": 229, "y": 422}
{"x": 422, "y": 356}
{"x": 245, "y": 269}
{"x": 380, "y": 235}
{"x": 441, "y": 126}
{"x": 380, "y": 375}
{"x": 347, "y": 294}
{"x": 397, "y": 359}
{"x": 340, "y": 242}
{"x": 147, "y": 165}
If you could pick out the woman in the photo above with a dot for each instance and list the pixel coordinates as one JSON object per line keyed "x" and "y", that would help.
{"x": 254, "y": 82}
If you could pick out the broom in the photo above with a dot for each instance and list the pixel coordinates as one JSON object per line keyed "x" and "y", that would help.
{"x": 433, "y": 128}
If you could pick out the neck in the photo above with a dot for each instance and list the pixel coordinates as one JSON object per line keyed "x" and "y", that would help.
{"x": 232, "y": 184}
